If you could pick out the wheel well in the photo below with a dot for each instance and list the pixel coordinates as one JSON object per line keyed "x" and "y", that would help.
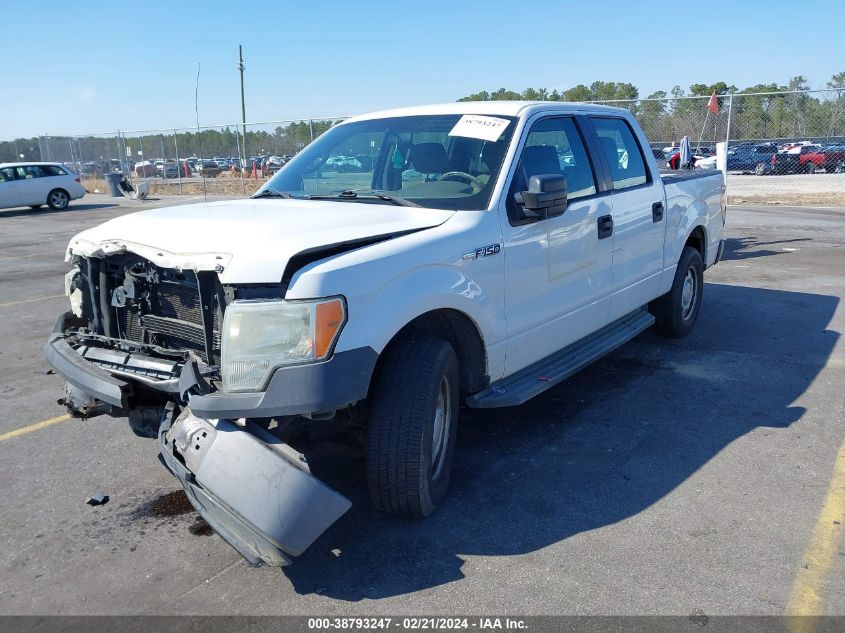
{"x": 461, "y": 333}
{"x": 698, "y": 240}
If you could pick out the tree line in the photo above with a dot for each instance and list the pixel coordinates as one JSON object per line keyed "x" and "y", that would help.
{"x": 669, "y": 116}
{"x": 208, "y": 143}
{"x": 664, "y": 116}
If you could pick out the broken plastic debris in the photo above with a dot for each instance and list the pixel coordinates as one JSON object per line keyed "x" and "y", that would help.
{"x": 98, "y": 499}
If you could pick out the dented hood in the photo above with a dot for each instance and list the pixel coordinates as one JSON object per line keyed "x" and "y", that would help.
{"x": 247, "y": 241}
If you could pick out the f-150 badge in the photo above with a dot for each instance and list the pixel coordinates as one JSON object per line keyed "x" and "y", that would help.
{"x": 484, "y": 251}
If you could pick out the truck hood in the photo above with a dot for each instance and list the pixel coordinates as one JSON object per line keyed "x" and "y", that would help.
{"x": 248, "y": 241}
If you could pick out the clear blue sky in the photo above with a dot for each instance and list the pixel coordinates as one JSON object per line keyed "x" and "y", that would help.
{"x": 75, "y": 67}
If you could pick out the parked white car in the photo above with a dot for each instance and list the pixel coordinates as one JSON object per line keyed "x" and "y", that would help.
{"x": 36, "y": 184}
{"x": 539, "y": 237}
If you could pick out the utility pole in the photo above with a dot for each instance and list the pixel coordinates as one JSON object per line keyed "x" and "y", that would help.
{"x": 243, "y": 103}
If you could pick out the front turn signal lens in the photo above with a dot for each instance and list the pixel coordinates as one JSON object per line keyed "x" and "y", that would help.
{"x": 330, "y": 318}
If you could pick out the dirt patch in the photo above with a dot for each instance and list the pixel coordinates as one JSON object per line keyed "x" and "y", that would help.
{"x": 790, "y": 189}
{"x": 794, "y": 199}
{"x": 95, "y": 185}
{"x": 225, "y": 184}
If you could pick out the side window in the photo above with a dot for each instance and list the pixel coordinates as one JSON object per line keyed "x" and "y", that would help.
{"x": 7, "y": 174}
{"x": 554, "y": 146}
{"x": 623, "y": 154}
{"x": 36, "y": 171}
{"x": 53, "y": 170}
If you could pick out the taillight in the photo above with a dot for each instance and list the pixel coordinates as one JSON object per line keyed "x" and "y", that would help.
{"x": 774, "y": 159}
{"x": 77, "y": 180}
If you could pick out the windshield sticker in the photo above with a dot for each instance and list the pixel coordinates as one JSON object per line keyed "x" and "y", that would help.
{"x": 486, "y": 128}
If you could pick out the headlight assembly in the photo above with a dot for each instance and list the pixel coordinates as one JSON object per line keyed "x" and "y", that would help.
{"x": 260, "y": 336}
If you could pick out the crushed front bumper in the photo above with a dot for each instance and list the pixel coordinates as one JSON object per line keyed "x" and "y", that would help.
{"x": 255, "y": 491}
{"x": 109, "y": 375}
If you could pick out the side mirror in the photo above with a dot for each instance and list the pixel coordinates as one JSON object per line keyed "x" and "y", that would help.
{"x": 546, "y": 196}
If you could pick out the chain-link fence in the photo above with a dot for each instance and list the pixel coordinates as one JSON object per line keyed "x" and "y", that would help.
{"x": 227, "y": 159}
{"x": 237, "y": 158}
{"x": 755, "y": 126}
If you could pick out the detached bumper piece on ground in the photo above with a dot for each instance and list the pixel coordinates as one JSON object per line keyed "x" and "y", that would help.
{"x": 254, "y": 490}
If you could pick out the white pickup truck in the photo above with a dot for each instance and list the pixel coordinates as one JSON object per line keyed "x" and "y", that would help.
{"x": 469, "y": 254}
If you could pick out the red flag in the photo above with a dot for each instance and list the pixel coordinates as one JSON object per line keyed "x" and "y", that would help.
{"x": 713, "y": 103}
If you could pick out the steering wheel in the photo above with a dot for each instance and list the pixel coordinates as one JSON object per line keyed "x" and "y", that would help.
{"x": 462, "y": 174}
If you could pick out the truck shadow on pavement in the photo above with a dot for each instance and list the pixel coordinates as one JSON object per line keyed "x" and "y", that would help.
{"x": 602, "y": 447}
{"x": 749, "y": 247}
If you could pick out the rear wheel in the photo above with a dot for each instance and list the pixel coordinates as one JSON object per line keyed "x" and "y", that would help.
{"x": 760, "y": 169}
{"x": 412, "y": 429}
{"x": 810, "y": 167}
{"x": 675, "y": 312}
{"x": 58, "y": 199}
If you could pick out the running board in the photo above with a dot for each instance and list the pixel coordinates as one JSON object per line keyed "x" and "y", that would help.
{"x": 554, "y": 369}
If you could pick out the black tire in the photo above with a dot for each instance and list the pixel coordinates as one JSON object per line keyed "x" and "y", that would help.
{"x": 35, "y": 207}
{"x": 58, "y": 199}
{"x": 674, "y": 314}
{"x": 810, "y": 167}
{"x": 406, "y": 476}
{"x": 145, "y": 421}
{"x": 760, "y": 169}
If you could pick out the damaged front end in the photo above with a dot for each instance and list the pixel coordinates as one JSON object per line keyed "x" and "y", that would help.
{"x": 137, "y": 337}
{"x": 145, "y": 342}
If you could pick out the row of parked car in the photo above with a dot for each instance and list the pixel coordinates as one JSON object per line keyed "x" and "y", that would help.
{"x": 185, "y": 167}
{"x": 792, "y": 158}
{"x": 770, "y": 158}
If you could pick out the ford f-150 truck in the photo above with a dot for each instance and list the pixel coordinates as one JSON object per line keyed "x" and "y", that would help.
{"x": 485, "y": 253}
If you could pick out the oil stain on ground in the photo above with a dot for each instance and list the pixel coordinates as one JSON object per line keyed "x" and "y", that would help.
{"x": 164, "y": 508}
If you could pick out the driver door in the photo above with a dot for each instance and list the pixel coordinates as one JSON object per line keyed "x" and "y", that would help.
{"x": 557, "y": 270}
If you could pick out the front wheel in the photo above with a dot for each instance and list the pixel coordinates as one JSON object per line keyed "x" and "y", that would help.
{"x": 412, "y": 428}
{"x": 676, "y": 312}
{"x": 760, "y": 169}
{"x": 58, "y": 199}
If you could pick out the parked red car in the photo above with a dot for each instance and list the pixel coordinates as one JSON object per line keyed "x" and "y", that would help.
{"x": 829, "y": 158}
{"x": 795, "y": 160}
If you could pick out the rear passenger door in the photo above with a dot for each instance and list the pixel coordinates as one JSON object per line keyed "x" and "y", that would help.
{"x": 639, "y": 216}
{"x": 35, "y": 185}
{"x": 10, "y": 188}
{"x": 558, "y": 269}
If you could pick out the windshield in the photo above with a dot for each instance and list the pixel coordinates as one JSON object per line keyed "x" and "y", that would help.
{"x": 438, "y": 161}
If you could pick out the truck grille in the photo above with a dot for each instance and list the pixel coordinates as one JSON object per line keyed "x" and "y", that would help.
{"x": 173, "y": 319}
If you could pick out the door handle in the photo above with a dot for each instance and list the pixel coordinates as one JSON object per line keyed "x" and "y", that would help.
{"x": 605, "y": 226}
{"x": 657, "y": 212}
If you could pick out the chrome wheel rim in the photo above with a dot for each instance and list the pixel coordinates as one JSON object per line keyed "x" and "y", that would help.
{"x": 688, "y": 294}
{"x": 440, "y": 428}
{"x": 58, "y": 199}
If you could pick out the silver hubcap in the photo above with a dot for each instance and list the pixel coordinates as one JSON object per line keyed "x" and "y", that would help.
{"x": 688, "y": 293}
{"x": 58, "y": 199}
{"x": 440, "y": 431}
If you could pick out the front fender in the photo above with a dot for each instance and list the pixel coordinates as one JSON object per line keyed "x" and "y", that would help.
{"x": 388, "y": 285}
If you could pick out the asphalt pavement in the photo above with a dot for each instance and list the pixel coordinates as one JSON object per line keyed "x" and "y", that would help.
{"x": 672, "y": 477}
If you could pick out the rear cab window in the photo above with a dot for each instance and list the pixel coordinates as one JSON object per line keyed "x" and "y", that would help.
{"x": 622, "y": 152}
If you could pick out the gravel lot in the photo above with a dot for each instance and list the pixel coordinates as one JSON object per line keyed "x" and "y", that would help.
{"x": 672, "y": 477}
{"x": 800, "y": 189}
